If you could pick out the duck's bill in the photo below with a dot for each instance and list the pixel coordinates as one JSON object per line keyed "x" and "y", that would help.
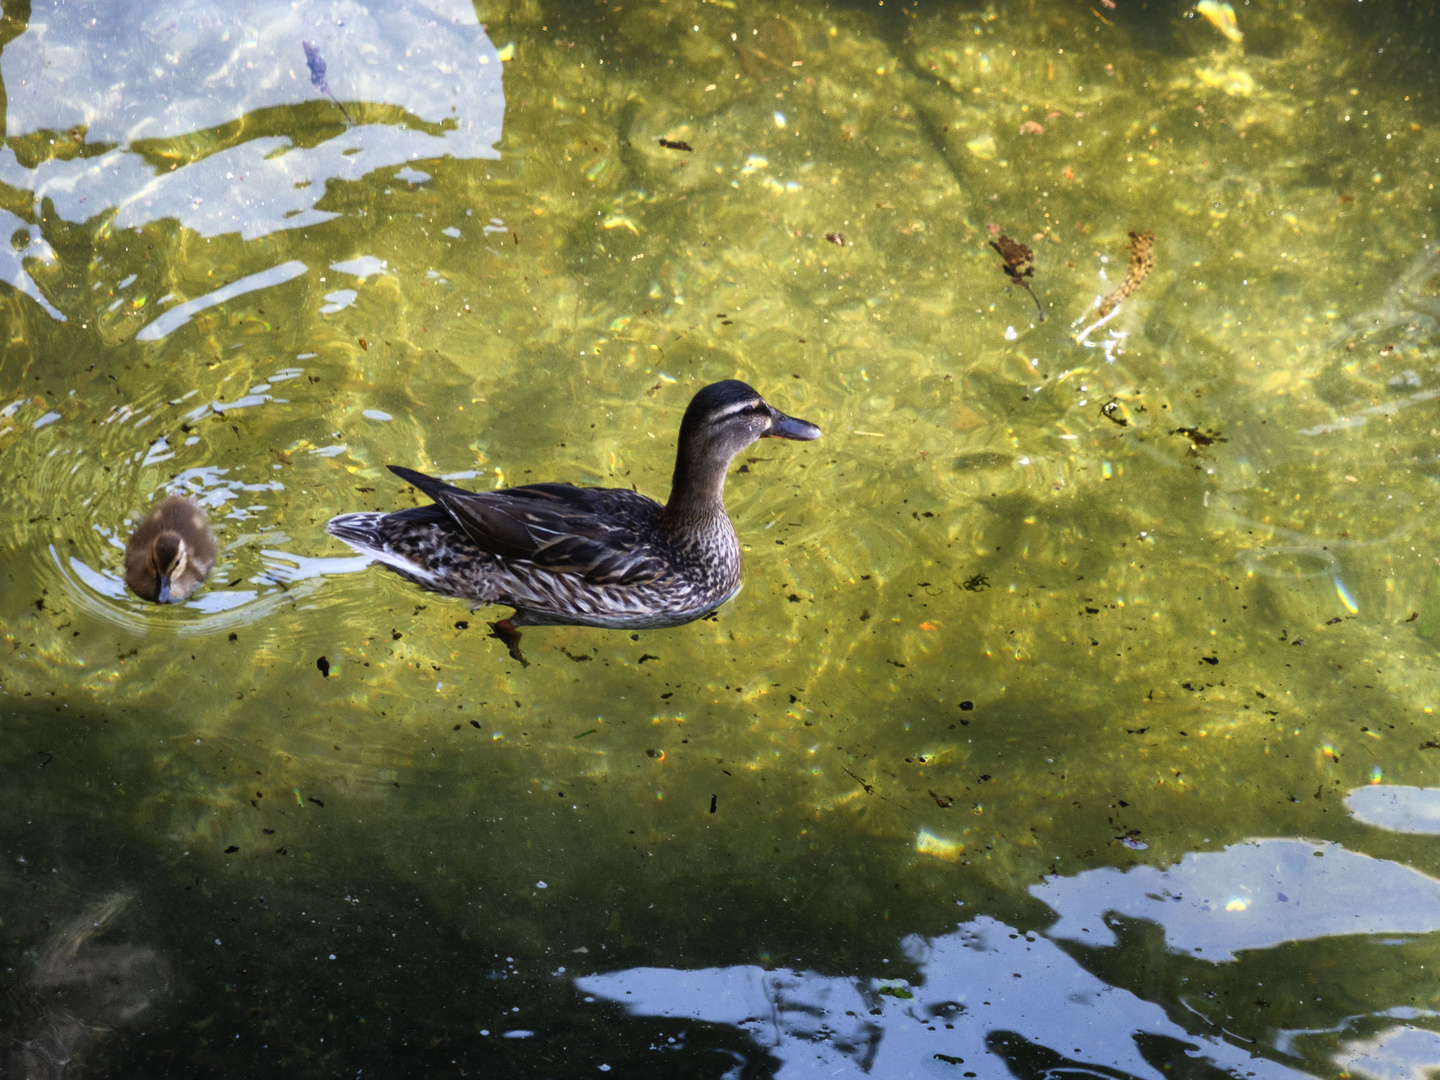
{"x": 788, "y": 427}
{"x": 164, "y": 596}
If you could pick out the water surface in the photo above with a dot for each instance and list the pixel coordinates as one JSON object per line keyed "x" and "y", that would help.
{"x": 1057, "y": 723}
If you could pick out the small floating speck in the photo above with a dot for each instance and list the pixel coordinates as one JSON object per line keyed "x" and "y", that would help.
{"x": 376, "y": 414}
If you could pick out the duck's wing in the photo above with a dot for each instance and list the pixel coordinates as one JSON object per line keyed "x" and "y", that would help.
{"x": 601, "y": 534}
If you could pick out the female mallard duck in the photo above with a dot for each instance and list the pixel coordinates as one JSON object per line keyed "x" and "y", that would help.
{"x": 560, "y": 554}
{"x": 170, "y": 552}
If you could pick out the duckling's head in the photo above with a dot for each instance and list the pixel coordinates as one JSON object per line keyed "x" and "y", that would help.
{"x": 170, "y": 552}
{"x": 168, "y": 558}
{"x": 723, "y": 419}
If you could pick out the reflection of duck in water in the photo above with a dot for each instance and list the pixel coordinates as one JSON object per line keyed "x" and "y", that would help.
{"x": 560, "y": 554}
{"x": 171, "y": 551}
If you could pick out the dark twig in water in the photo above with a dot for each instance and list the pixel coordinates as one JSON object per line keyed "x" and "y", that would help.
{"x": 316, "y": 63}
{"x": 1019, "y": 265}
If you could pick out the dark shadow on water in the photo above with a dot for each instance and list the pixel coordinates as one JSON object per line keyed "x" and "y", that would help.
{"x": 126, "y": 958}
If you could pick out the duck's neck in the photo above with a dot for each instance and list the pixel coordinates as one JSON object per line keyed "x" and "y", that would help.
{"x": 698, "y": 490}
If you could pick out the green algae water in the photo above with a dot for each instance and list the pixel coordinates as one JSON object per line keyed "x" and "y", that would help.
{"x": 1078, "y": 712}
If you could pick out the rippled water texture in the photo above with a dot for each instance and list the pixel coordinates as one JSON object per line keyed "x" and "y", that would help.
{"x": 1076, "y": 716}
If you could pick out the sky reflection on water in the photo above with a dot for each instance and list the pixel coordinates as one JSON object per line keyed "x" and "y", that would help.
{"x": 137, "y": 94}
{"x": 989, "y": 991}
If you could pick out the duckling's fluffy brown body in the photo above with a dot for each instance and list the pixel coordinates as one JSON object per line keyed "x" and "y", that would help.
{"x": 170, "y": 552}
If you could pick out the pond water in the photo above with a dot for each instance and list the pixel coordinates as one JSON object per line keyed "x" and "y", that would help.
{"x": 1077, "y": 714}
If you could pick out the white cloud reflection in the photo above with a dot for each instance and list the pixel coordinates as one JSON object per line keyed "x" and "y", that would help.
{"x": 1396, "y": 807}
{"x": 181, "y": 314}
{"x": 1254, "y": 895}
{"x": 185, "y": 69}
{"x": 987, "y": 995}
{"x": 992, "y": 1001}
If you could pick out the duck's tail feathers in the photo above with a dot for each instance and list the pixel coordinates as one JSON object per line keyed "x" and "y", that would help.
{"x": 361, "y": 531}
{"x": 365, "y": 532}
{"x": 428, "y": 484}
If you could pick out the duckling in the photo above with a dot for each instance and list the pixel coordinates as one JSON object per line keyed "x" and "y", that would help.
{"x": 170, "y": 552}
{"x": 560, "y": 554}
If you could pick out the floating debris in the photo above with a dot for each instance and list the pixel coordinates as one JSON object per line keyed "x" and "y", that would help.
{"x": 316, "y": 63}
{"x": 1142, "y": 261}
{"x": 675, "y": 144}
{"x": 836, "y": 238}
{"x": 1019, "y": 265}
{"x": 1199, "y": 439}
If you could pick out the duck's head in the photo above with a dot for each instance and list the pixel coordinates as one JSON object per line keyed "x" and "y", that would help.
{"x": 723, "y": 419}
{"x": 169, "y": 557}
